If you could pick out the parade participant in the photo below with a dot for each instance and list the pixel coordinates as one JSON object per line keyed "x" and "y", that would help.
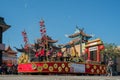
{"x": 66, "y": 55}
{"x": 36, "y": 54}
{"x": 48, "y": 54}
{"x": 54, "y": 56}
{"x": 59, "y": 55}
{"x": 110, "y": 67}
{"x": 0, "y": 70}
{"x": 42, "y": 54}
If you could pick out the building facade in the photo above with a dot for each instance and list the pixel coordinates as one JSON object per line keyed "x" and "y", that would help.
{"x": 9, "y": 56}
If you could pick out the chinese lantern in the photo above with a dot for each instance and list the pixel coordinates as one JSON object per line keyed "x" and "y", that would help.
{"x": 101, "y": 47}
{"x": 86, "y": 50}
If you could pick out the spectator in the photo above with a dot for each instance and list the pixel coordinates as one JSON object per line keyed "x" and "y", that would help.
{"x": 110, "y": 67}
{"x": 59, "y": 55}
{"x": 0, "y": 70}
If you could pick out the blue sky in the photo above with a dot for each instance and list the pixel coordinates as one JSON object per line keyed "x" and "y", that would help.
{"x": 98, "y": 17}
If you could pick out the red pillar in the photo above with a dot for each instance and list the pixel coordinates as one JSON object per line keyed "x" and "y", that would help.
{"x": 98, "y": 55}
{"x": 88, "y": 54}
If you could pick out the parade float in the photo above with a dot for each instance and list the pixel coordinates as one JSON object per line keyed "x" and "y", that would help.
{"x": 79, "y": 56}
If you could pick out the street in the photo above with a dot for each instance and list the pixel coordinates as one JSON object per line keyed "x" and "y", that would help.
{"x": 56, "y": 77}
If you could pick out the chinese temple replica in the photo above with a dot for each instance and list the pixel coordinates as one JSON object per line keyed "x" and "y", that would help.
{"x": 9, "y": 56}
{"x": 79, "y": 56}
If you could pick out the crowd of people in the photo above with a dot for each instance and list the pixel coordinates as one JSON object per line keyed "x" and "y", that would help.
{"x": 8, "y": 69}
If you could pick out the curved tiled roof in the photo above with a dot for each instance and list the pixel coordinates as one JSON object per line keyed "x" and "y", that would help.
{"x": 9, "y": 50}
{"x": 79, "y": 33}
{"x": 3, "y": 24}
{"x": 49, "y": 39}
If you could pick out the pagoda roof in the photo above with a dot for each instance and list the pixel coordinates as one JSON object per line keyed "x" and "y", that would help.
{"x": 71, "y": 43}
{"x": 79, "y": 33}
{"x": 52, "y": 41}
{"x": 3, "y": 24}
{"x": 9, "y": 50}
{"x": 48, "y": 39}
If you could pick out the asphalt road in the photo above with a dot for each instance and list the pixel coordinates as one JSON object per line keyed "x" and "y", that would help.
{"x": 56, "y": 77}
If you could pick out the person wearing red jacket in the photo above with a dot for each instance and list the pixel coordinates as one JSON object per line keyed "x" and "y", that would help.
{"x": 59, "y": 55}
{"x": 41, "y": 54}
{"x": 36, "y": 54}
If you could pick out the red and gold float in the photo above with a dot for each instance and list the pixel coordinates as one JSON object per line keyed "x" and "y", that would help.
{"x": 61, "y": 67}
{"x": 43, "y": 57}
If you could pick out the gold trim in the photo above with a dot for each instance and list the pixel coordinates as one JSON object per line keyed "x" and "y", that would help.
{"x": 92, "y": 70}
{"x": 87, "y": 66}
{"x": 104, "y": 68}
{"x": 26, "y": 57}
{"x": 98, "y": 71}
{"x": 103, "y": 71}
{"x": 50, "y": 68}
{"x": 95, "y": 40}
{"x": 63, "y": 65}
{"x": 34, "y": 66}
{"x": 69, "y": 65}
{"x": 66, "y": 69}
{"x": 40, "y": 68}
{"x": 59, "y": 69}
{"x": 95, "y": 67}
{"x": 45, "y": 66}
{"x": 25, "y": 61}
{"x": 55, "y": 66}
{"x": 19, "y": 61}
{"x": 100, "y": 67}
{"x": 22, "y": 55}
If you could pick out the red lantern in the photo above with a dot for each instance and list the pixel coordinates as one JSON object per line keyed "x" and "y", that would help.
{"x": 101, "y": 47}
{"x": 86, "y": 50}
{"x": 41, "y": 30}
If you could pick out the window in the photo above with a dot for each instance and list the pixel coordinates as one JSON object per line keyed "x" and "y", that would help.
{"x": 93, "y": 55}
